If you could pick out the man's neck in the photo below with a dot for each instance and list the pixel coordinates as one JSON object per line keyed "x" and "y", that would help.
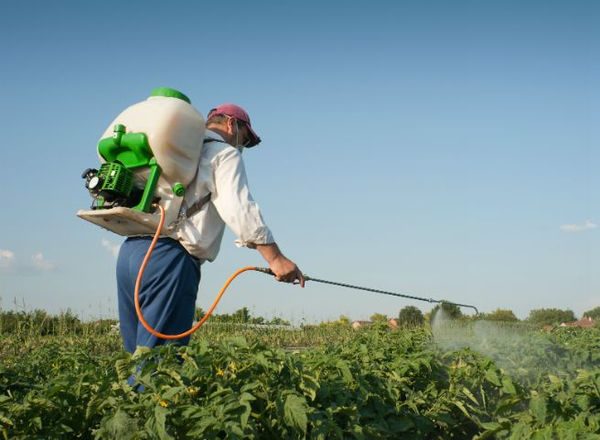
{"x": 219, "y": 131}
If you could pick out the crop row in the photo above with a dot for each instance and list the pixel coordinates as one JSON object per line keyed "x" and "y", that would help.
{"x": 370, "y": 384}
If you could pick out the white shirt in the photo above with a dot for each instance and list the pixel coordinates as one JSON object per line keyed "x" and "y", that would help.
{"x": 221, "y": 172}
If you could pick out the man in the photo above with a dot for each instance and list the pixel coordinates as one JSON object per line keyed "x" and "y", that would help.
{"x": 218, "y": 196}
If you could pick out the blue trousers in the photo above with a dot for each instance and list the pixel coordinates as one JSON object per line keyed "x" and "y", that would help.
{"x": 167, "y": 295}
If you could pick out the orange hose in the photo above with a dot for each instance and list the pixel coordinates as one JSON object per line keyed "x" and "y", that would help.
{"x": 138, "y": 283}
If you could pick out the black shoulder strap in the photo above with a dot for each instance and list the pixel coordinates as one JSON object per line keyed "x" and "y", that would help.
{"x": 196, "y": 207}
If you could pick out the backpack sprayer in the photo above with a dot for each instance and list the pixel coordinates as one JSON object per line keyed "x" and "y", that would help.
{"x": 149, "y": 154}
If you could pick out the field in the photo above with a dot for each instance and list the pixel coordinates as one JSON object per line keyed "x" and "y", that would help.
{"x": 455, "y": 380}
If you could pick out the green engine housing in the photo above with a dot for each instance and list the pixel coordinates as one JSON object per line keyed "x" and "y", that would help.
{"x": 116, "y": 179}
{"x": 114, "y": 183}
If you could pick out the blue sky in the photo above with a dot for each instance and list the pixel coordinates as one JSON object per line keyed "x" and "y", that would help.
{"x": 440, "y": 149}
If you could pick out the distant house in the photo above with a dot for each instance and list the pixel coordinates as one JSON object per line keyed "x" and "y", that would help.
{"x": 585, "y": 322}
{"x": 360, "y": 324}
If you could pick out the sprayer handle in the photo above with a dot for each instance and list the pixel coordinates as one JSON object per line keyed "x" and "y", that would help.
{"x": 264, "y": 270}
{"x": 270, "y": 272}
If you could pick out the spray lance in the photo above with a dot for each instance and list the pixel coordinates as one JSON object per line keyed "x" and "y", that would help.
{"x": 368, "y": 289}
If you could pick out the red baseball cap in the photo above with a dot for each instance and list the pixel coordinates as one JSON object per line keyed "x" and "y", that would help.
{"x": 237, "y": 112}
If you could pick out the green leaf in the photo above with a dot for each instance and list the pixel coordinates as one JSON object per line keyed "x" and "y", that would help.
{"x": 520, "y": 431}
{"x": 160, "y": 417}
{"x": 294, "y": 412}
{"x": 140, "y": 351}
{"x": 491, "y": 429}
{"x": 491, "y": 426}
{"x": 122, "y": 368}
{"x": 470, "y": 395}
{"x": 507, "y": 386}
{"x": 202, "y": 425}
{"x": 345, "y": 370}
{"x": 492, "y": 377}
{"x": 537, "y": 406}
{"x": 245, "y": 400}
{"x": 460, "y": 406}
{"x": 172, "y": 392}
{"x": 37, "y": 422}
{"x": 238, "y": 341}
{"x": 251, "y": 386}
{"x": 309, "y": 385}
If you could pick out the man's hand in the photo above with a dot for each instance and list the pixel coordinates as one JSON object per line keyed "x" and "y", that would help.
{"x": 284, "y": 269}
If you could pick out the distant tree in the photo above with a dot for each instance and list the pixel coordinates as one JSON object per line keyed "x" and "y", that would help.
{"x": 594, "y": 313}
{"x": 241, "y": 315}
{"x": 343, "y": 319}
{"x": 427, "y": 316}
{"x": 40, "y": 322}
{"x": 67, "y": 322}
{"x": 410, "y": 316}
{"x": 378, "y": 317}
{"x": 500, "y": 315}
{"x": 451, "y": 311}
{"x": 550, "y": 316}
{"x": 278, "y": 321}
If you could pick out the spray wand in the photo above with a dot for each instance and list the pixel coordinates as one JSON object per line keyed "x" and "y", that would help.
{"x": 368, "y": 289}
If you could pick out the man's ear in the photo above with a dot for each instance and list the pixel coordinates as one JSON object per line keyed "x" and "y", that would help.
{"x": 230, "y": 123}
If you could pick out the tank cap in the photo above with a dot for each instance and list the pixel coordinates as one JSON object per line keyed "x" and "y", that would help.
{"x": 178, "y": 189}
{"x": 170, "y": 93}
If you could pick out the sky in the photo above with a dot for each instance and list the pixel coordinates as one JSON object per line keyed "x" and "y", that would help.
{"x": 445, "y": 150}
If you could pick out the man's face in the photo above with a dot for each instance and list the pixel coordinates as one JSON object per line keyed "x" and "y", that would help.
{"x": 238, "y": 131}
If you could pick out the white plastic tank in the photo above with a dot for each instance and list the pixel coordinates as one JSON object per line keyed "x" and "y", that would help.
{"x": 175, "y": 132}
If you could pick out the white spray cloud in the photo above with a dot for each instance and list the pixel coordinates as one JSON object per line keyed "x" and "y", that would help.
{"x": 40, "y": 262}
{"x": 509, "y": 345}
{"x": 586, "y": 226}
{"x": 7, "y": 259}
{"x": 111, "y": 247}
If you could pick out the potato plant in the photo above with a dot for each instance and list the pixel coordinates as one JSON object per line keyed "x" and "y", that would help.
{"x": 336, "y": 384}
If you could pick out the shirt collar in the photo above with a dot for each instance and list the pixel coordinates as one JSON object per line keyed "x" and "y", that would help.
{"x": 212, "y": 135}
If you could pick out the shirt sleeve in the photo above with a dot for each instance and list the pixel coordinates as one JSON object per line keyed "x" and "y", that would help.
{"x": 235, "y": 204}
